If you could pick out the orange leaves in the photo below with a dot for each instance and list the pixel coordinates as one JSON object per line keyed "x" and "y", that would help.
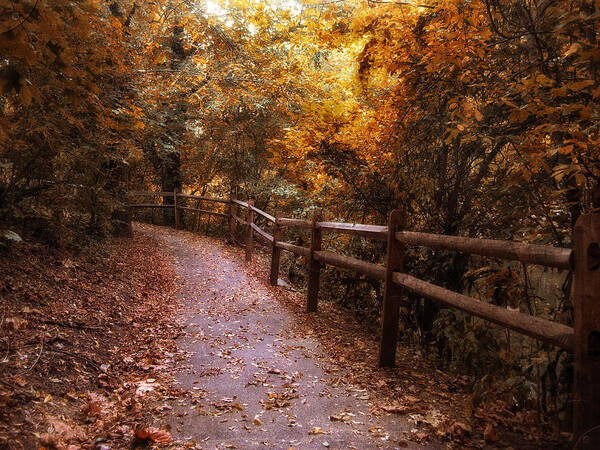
{"x": 519, "y": 115}
{"x": 543, "y": 80}
{"x": 478, "y": 115}
{"x": 574, "y": 48}
{"x": 29, "y": 94}
{"x": 579, "y": 85}
{"x": 566, "y": 150}
{"x": 152, "y": 434}
{"x": 60, "y": 433}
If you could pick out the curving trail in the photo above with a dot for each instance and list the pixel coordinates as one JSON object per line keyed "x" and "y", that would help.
{"x": 253, "y": 381}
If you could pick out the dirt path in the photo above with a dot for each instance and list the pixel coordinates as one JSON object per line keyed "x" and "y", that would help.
{"x": 254, "y": 381}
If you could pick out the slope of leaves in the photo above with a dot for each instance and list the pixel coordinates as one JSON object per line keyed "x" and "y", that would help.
{"x": 84, "y": 341}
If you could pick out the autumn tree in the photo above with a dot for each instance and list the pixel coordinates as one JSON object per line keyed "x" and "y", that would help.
{"x": 68, "y": 113}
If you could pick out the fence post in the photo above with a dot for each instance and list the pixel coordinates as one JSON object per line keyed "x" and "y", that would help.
{"x": 196, "y": 226}
{"x": 232, "y": 208}
{"x": 249, "y": 231}
{"x": 314, "y": 266}
{"x": 390, "y": 314}
{"x": 275, "y": 252}
{"x": 586, "y": 303}
{"x": 176, "y": 209}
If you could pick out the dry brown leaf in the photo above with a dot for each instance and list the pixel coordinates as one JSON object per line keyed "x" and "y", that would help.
{"x": 339, "y": 417}
{"x": 422, "y": 436}
{"x": 15, "y": 323}
{"x": 410, "y": 399}
{"x": 397, "y": 409}
{"x": 489, "y": 435}
{"x": 19, "y": 381}
{"x": 61, "y": 432}
{"x": 153, "y": 434}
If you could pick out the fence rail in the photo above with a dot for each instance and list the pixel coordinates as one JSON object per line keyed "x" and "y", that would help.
{"x": 150, "y": 205}
{"x": 368, "y": 231}
{"x": 584, "y": 260}
{"x": 544, "y": 330}
{"x": 266, "y": 236}
{"x": 150, "y": 194}
{"x": 269, "y": 217}
{"x": 543, "y": 255}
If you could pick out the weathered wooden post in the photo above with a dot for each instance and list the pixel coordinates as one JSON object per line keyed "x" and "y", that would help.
{"x": 390, "y": 314}
{"x": 232, "y": 208}
{"x": 196, "y": 227}
{"x": 314, "y": 266}
{"x": 249, "y": 231}
{"x": 176, "y": 209}
{"x": 586, "y": 303}
{"x": 275, "y": 252}
{"x": 207, "y": 223}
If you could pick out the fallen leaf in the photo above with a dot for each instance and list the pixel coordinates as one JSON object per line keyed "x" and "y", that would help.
{"x": 410, "y": 399}
{"x": 15, "y": 323}
{"x": 339, "y": 417}
{"x": 489, "y": 435}
{"x": 145, "y": 386}
{"x": 422, "y": 436}
{"x": 397, "y": 409}
{"x": 20, "y": 381}
{"x": 153, "y": 434}
{"x": 61, "y": 432}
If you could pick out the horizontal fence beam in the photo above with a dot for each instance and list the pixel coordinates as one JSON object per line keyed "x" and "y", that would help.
{"x": 150, "y": 194}
{"x": 205, "y": 199}
{"x": 302, "y": 251}
{"x": 151, "y": 205}
{"x": 239, "y": 219}
{"x": 543, "y": 255}
{"x": 378, "y": 232}
{"x": 266, "y": 236}
{"x": 347, "y": 262}
{"x": 295, "y": 223}
{"x": 203, "y": 211}
{"x": 262, "y": 213}
{"x": 544, "y": 330}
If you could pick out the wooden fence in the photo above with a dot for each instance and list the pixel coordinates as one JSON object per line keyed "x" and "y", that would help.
{"x": 583, "y": 339}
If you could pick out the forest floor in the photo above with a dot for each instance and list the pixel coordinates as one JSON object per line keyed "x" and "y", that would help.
{"x": 171, "y": 340}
